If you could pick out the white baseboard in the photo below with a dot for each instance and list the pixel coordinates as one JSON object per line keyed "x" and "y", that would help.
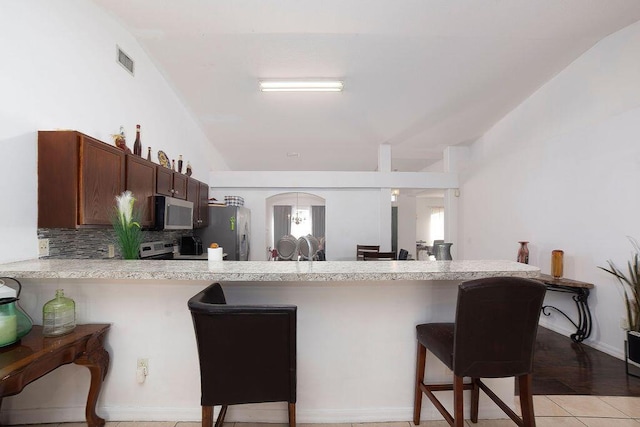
{"x": 249, "y": 413}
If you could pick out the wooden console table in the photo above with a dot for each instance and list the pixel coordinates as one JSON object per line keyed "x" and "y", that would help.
{"x": 35, "y": 356}
{"x": 581, "y": 298}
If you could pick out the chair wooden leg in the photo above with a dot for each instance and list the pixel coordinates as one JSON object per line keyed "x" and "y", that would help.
{"x": 475, "y": 397}
{"x": 207, "y": 416}
{"x": 420, "y": 365}
{"x": 221, "y": 415}
{"x": 292, "y": 415}
{"x": 458, "y": 405}
{"x": 526, "y": 401}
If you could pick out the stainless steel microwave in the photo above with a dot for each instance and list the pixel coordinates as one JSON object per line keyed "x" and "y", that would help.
{"x": 173, "y": 214}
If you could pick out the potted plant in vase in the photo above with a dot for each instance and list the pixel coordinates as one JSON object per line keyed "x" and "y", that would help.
{"x": 630, "y": 284}
{"x": 127, "y": 226}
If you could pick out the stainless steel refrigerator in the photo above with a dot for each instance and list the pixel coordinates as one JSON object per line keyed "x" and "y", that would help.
{"x": 230, "y": 228}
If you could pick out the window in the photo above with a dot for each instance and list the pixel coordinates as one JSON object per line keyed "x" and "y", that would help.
{"x": 304, "y": 227}
{"x": 436, "y": 224}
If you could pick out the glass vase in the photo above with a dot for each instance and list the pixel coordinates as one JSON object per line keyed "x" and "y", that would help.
{"x": 557, "y": 263}
{"x": 523, "y": 253}
{"x": 58, "y": 315}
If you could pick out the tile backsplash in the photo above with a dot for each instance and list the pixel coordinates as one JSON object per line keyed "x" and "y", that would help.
{"x": 93, "y": 243}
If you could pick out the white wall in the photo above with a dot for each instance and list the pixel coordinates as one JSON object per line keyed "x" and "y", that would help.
{"x": 345, "y": 373}
{"x": 59, "y": 72}
{"x": 407, "y": 224}
{"x": 562, "y": 171}
{"x": 352, "y": 217}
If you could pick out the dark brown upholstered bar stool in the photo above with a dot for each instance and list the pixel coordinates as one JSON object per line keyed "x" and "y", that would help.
{"x": 493, "y": 337}
{"x": 361, "y": 250}
{"x": 247, "y": 353}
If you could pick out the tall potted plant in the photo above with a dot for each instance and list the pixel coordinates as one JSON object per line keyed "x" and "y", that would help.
{"x": 630, "y": 284}
{"x": 127, "y": 226}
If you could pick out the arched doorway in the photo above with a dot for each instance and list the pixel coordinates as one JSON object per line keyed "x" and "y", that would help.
{"x": 294, "y": 213}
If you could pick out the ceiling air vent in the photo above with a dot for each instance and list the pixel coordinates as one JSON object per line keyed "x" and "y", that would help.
{"x": 124, "y": 60}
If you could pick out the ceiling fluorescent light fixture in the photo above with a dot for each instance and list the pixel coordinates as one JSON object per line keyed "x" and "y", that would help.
{"x": 301, "y": 85}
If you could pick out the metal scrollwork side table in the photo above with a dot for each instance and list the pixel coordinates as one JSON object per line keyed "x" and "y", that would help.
{"x": 580, "y": 291}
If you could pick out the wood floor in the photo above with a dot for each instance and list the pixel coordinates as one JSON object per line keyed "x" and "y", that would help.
{"x": 564, "y": 367}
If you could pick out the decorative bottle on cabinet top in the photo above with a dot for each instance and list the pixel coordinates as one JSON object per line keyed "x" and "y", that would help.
{"x": 137, "y": 145}
{"x": 58, "y": 315}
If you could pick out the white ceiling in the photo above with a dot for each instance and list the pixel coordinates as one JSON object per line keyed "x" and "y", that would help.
{"x": 419, "y": 74}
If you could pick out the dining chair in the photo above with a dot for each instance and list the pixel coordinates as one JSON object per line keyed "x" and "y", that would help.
{"x": 247, "y": 353}
{"x": 287, "y": 248}
{"x": 380, "y": 256}
{"x": 493, "y": 337}
{"x": 366, "y": 249}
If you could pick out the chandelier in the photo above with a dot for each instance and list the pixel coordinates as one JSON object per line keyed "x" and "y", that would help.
{"x": 297, "y": 219}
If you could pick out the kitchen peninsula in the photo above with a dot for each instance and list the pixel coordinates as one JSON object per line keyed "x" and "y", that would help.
{"x": 356, "y": 333}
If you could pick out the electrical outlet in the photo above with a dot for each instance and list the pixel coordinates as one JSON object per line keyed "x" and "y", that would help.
{"x": 142, "y": 370}
{"x": 624, "y": 324}
{"x": 144, "y": 363}
{"x": 43, "y": 247}
{"x": 112, "y": 251}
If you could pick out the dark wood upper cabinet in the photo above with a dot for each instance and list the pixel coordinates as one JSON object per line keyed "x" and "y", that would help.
{"x": 78, "y": 180}
{"x": 170, "y": 183}
{"x": 198, "y": 193}
{"x": 141, "y": 181}
{"x": 180, "y": 185}
{"x": 203, "y": 206}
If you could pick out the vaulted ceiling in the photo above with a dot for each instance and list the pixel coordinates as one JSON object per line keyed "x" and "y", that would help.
{"x": 418, "y": 74}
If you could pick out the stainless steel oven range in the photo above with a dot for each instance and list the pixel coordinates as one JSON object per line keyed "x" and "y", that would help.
{"x": 156, "y": 250}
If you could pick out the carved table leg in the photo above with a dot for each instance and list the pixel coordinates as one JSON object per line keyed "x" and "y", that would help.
{"x": 96, "y": 358}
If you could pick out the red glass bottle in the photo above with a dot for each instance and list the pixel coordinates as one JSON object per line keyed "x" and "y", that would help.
{"x": 523, "y": 253}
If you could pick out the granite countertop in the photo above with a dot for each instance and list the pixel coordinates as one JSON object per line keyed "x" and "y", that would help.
{"x": 267, "y": 271}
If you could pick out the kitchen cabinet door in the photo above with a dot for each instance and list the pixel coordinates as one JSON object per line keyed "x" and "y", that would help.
{"x": 198, "y": 193}
{"x": 141, "y": 181}
{"x": 170, "y": 183}
{"x": 180, "y": 186}
{"x": 192, "y": 196}
{"x": 164, "y": 181}
{"x": 78, "y": 180}
{"x": 101, "y": 180}
{"x": 203, "y": 205}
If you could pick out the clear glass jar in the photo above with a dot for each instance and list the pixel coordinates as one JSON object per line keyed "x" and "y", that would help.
{"x": 58, "y": 315}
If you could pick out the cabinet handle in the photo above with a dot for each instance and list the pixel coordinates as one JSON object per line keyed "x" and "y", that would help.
{"x": 173, "y": 191}
{"x": 176, "y": 191}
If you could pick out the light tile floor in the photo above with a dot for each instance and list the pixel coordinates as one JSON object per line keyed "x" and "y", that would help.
{"x": 551, "y": 411}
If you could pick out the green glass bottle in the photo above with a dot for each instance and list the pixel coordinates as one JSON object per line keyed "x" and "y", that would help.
{"x": 58, "y": 315}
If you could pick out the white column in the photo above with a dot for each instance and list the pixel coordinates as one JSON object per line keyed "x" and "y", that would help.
{"x": 384, "y": 165}
{"x": 384, "y": 158}
{"x": 454, "y": 161}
